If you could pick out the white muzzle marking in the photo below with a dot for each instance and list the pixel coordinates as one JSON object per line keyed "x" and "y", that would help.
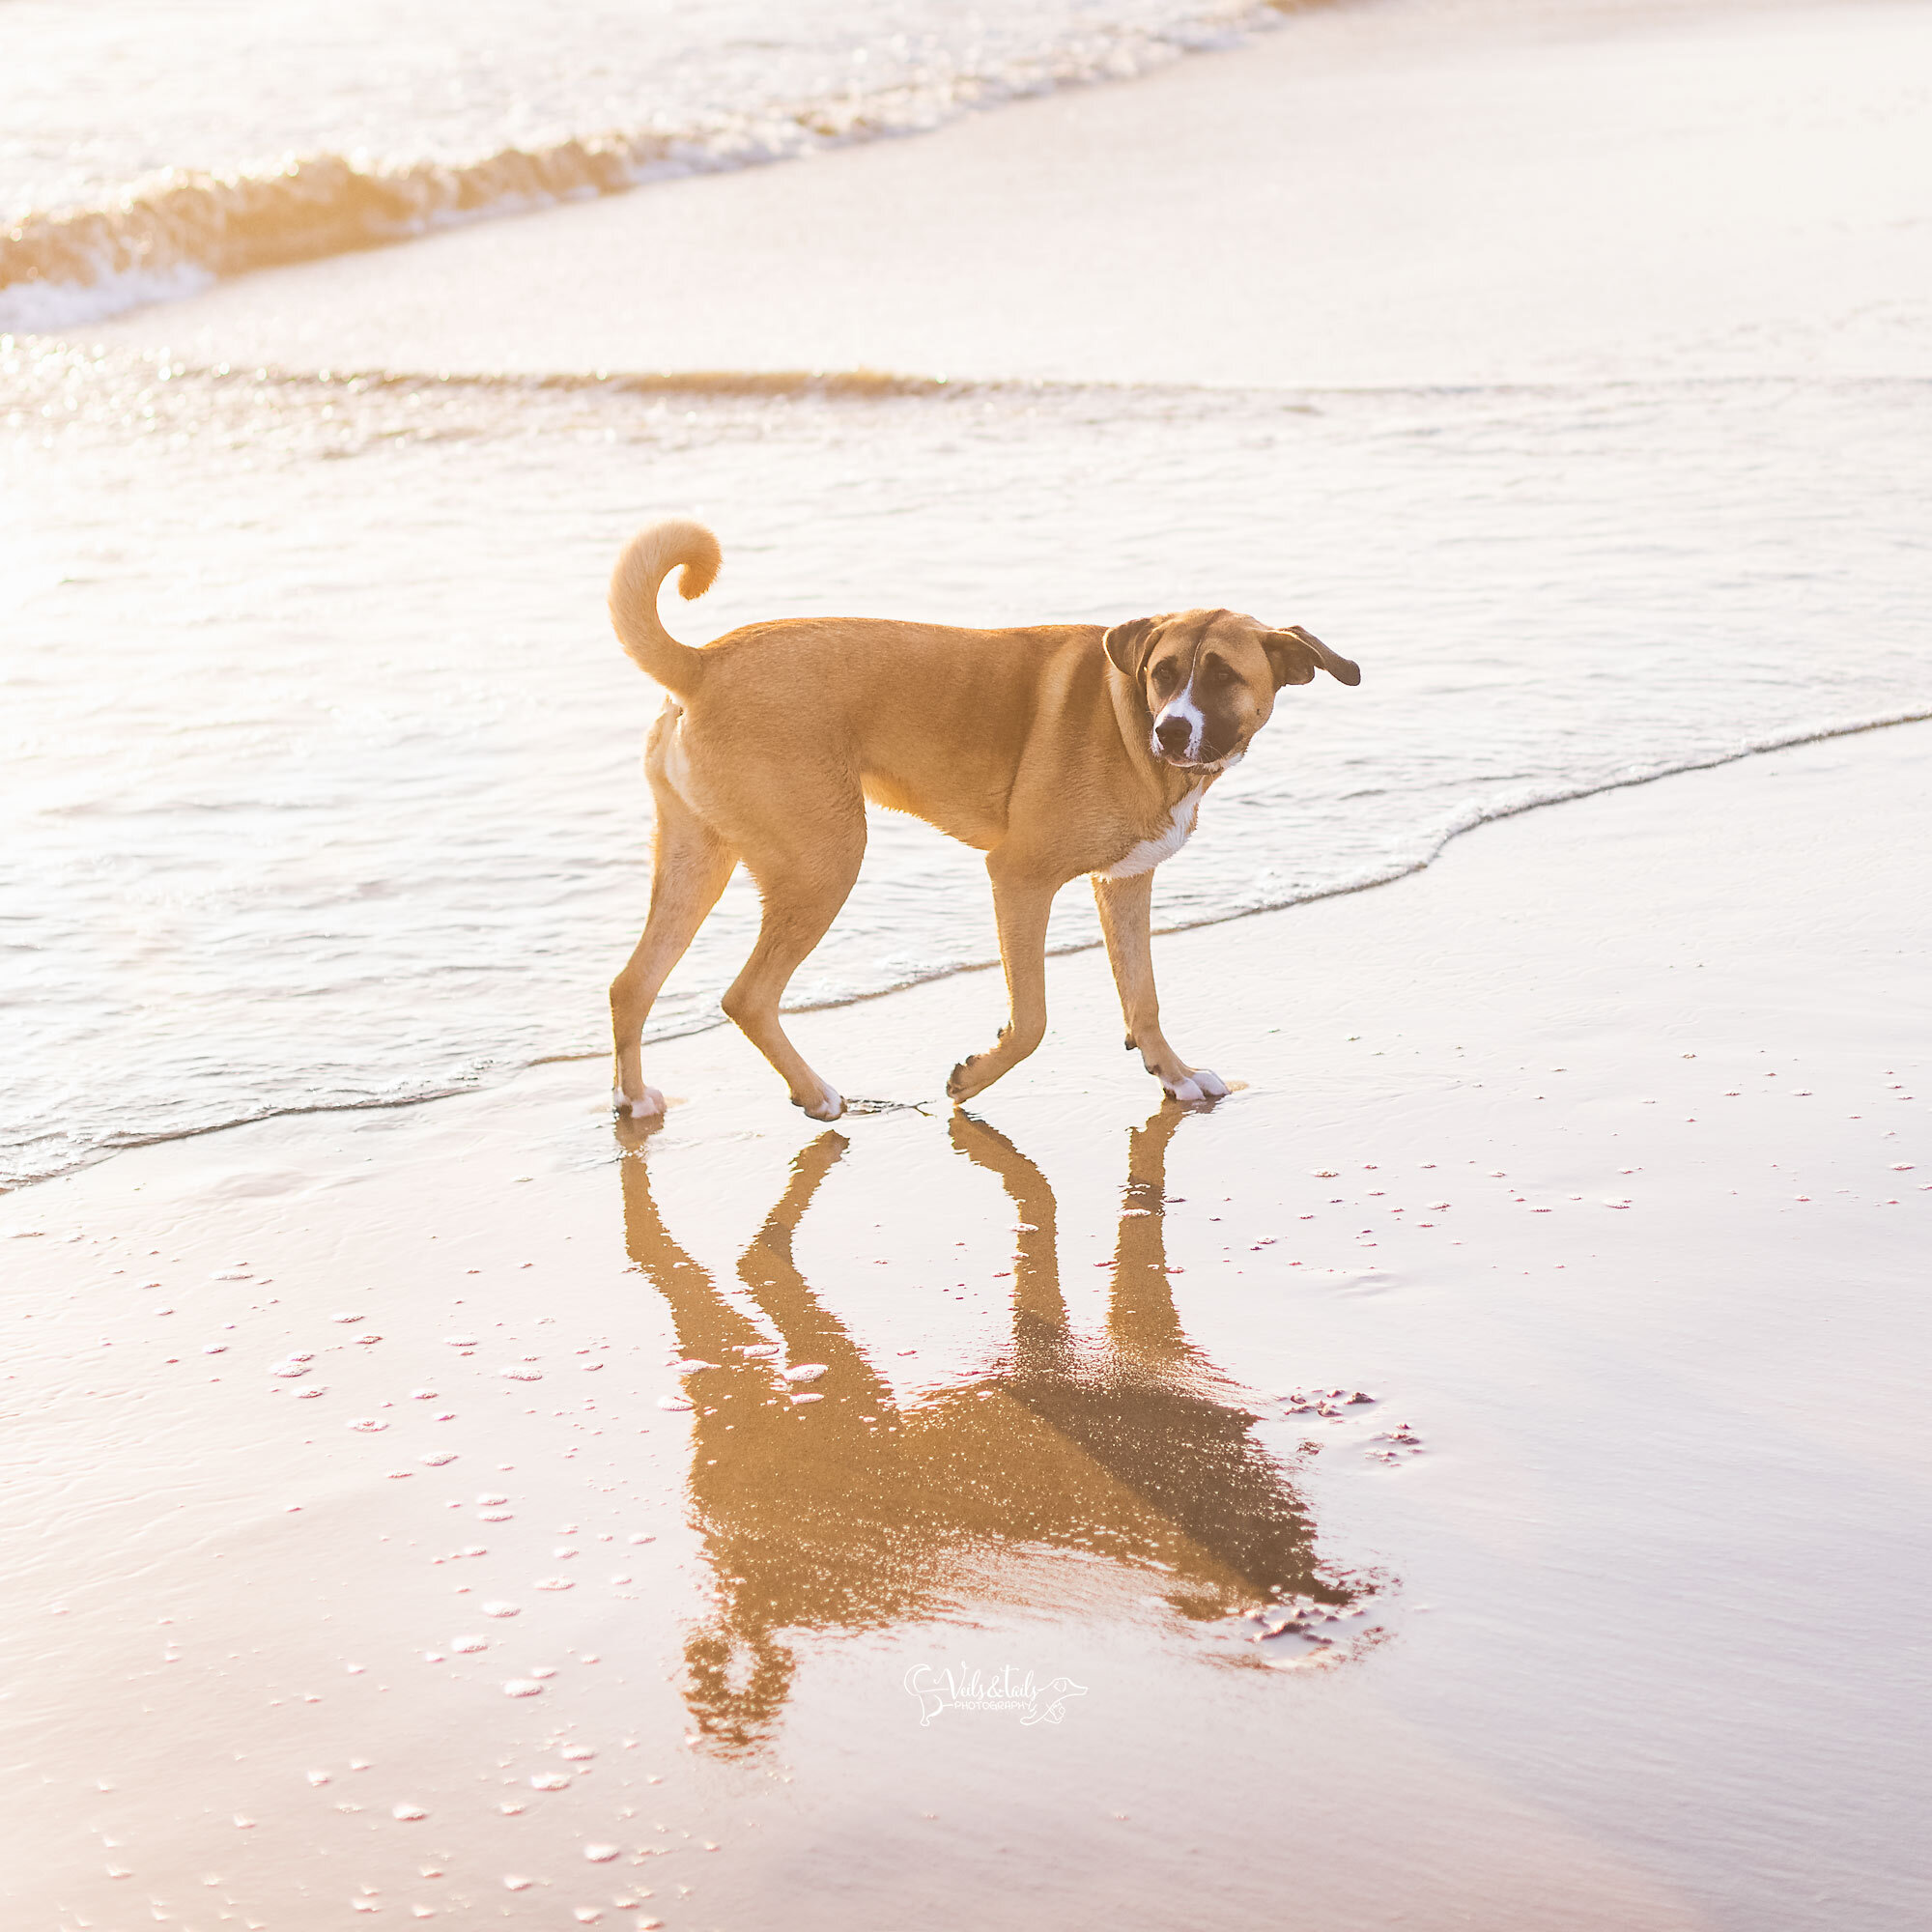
{"x": 1182, "y": 706}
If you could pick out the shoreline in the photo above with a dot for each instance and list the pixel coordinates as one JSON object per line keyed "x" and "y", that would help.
{"x": 1825, "y": 734}
{"x": 1640, "y": 1471}
{"x": 1733, "y": 527}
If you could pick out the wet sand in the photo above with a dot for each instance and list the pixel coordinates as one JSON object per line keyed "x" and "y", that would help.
{"x": 1598, "y": 1156}
{"x": 1379, "y": 194}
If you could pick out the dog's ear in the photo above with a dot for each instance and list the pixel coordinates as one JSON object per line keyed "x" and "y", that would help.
{"x": 1129, "y": 645}
{"x": 1296, "y": 655}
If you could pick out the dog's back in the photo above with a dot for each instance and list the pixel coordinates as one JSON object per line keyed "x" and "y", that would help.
{"x": 1055, "y": 749}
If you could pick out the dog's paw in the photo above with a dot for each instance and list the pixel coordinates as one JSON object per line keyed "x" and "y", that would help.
{"x": 828, "y": 1106}
{"x": 1199, "y": 1085}
{"x": 648, "y": 1106}
{"x": 960, "y": 1084}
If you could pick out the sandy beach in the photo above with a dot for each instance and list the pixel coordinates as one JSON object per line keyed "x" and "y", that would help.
{"x": 1597, "y": 1155}
{"x": 1474, "y": 1475}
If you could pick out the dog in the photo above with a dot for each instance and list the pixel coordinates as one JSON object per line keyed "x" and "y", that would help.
{"x": 1053, "y": 748}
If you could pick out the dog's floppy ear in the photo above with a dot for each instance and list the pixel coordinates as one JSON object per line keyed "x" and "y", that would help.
{"x": 1129, "y": 645}
{"x": 1296, "y": 655}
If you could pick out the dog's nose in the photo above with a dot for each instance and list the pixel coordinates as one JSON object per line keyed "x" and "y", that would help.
{"x": 1172, "y": 735}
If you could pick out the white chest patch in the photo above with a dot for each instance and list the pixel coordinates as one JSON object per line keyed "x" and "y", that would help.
{"x": 1150, "y": 852}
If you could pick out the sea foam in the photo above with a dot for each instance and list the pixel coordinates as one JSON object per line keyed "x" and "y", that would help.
{"x": 167, "y": 234}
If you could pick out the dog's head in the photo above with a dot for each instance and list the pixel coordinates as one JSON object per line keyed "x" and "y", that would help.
{"x": 1208, "y": 680}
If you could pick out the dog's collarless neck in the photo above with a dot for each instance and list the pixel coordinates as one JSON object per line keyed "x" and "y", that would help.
{"x": 1135, "y": 723}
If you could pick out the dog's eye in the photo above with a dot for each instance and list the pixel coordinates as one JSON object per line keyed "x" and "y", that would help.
{"x": 1163, "y": 676}
{"x": 1217, "y": 670}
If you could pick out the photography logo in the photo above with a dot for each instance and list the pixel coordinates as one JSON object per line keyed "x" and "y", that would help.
{"x": 1005, "y": 1690}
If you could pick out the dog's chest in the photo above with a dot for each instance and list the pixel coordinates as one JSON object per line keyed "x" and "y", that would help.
{"x": 1164, "y": 845}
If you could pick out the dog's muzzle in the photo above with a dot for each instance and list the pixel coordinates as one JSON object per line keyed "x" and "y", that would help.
{"x": 1206, "y": 767}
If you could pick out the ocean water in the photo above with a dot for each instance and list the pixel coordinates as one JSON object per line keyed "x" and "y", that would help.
{"x": 321, "y": 779}
{"x": 143, "y": 149}
{"x": 323, "y": 768}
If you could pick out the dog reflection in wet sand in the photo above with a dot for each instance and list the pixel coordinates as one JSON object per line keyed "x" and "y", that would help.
{"x": 1125, "y": 1451}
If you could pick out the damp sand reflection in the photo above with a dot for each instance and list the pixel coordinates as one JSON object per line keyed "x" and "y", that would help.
{"x": 1091, "y": 1475}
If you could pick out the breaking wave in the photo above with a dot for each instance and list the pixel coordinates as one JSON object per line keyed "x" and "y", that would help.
{"x": 170, "y": 234}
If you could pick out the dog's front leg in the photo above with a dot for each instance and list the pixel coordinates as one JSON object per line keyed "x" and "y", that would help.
{"x": 1021, "y": 905}
{"x": 1126, "y": 913}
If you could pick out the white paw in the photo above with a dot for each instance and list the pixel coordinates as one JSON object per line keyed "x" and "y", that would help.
{"x": 1199, "y": 1085}
{"x": 645, "y": 1107}
{"x": 828, "y": 1105}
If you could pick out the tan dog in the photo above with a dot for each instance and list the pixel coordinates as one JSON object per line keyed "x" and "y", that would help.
{"x": 1056, "y": 749}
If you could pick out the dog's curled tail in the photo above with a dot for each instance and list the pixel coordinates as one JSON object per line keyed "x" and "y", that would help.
{"x": 649, "y": 558}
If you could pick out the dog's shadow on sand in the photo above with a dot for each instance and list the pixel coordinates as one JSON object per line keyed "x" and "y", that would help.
{"x": 1082, "y": 1473}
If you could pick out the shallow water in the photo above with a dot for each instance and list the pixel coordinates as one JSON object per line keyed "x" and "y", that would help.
{"x": 322, "y": 765}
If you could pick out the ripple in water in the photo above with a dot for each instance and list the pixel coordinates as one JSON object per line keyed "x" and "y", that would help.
{"x": 1594, "y": 586}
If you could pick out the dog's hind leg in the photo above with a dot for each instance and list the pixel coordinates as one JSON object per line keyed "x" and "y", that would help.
{"x": 1127, "y": 908}
{"x": 801, "y": 894}
{"x": 1021, "y": 904}
{"x": 691, "y": 868}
